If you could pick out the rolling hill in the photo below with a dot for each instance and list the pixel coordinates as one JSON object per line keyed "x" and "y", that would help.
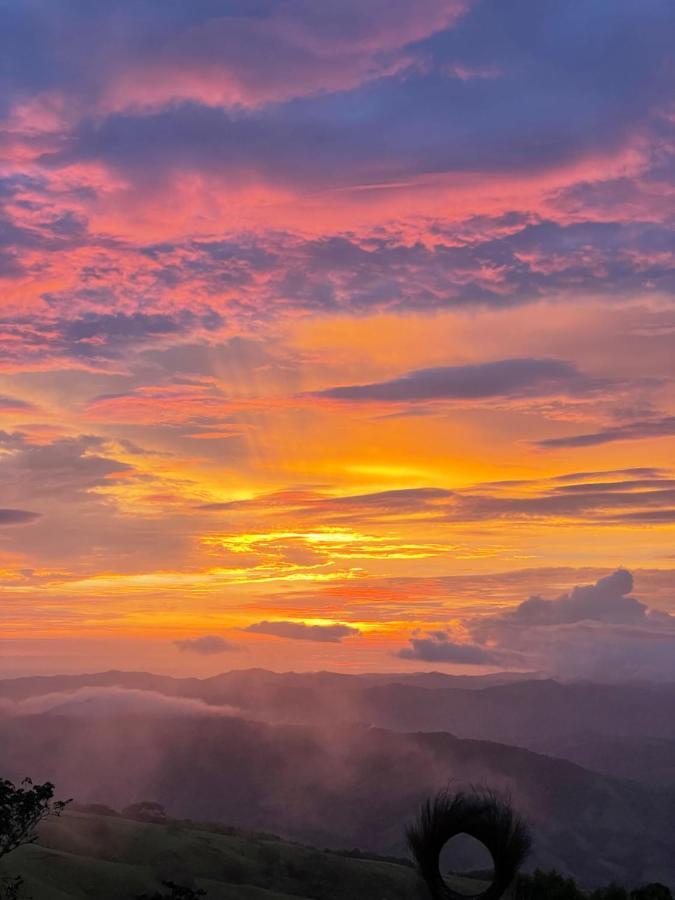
{"x": 82, "y": 856}
{"x": 349, "y": 786}
{"x": 514, "y": 710}
{"x": 338, "y": 760}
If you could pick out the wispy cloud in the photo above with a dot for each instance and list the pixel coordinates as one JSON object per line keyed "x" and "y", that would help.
{"x": 17, "y": 516}
{"x": 484, "y": 381}
{"x": 629, "y": 431}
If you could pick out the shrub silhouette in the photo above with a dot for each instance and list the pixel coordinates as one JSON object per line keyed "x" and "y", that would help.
{"x": 654, "y": 891}
{"x": 483, "y": 815}
{"x": 22, "y": 809}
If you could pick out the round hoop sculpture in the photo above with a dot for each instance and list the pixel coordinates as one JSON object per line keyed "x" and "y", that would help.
{"x": 483, "y": 815}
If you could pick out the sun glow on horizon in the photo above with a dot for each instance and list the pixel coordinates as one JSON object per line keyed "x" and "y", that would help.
{"x": 338, "y": 322}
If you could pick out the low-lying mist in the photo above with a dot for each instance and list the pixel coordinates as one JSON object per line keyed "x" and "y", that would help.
{"x": 336, "y": 783}
{"x": 103, "y": 702}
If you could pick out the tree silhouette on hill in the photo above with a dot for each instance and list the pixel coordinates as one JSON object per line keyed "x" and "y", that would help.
{"x": 22, "y": 809}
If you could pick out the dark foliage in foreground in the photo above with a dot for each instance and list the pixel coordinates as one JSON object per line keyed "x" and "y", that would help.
{"x": 22, "y": 809}
{"x": 653, "y": 891}
{"x": 547, "y": 886}
{"x": 483, "y": 815}
{"x": 554, "y": 886}
{"x": 10, "y": 888}
{"x": 174, "y": 892}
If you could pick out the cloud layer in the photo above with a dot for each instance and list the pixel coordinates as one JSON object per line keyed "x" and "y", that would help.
{"x": 598, "y": 631}
{"x": 307, "y": 304}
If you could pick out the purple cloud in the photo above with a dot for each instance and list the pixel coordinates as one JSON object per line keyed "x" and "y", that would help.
{"x": 11, "y": 404}
{"x": 630, "y": 431}
{"x": 502, "y": 378}
{"x": 300, "y": 631}
{"x": 438, "y": 648}
{"x": 17, "y": 516}
{"x": 206, "y": 645}
{"x": 608, "y": 600}
{"x": 597, "y": 630}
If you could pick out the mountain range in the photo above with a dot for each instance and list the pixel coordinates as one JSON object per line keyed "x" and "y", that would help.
{"x": 343, "y": 761}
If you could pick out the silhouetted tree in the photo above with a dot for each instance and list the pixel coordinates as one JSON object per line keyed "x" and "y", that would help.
{"x": 174, "y": 892}
{"x": 145, "y": 811}
{"x": 483, "y": 815}
{"x": 611, "y": 892}
{"x": 654, "y": 891}
{"x": 554, "y": 886}
{"x": 21, "y": 811}
{"x": 546, "y": 886}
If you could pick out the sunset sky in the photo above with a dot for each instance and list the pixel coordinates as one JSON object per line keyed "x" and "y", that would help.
{"x": 332, "y": 331}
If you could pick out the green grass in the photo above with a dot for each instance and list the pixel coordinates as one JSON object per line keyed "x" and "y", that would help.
{"x": 82, "y": 856}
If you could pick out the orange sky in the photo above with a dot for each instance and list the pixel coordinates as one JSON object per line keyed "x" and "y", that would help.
{"x": 363, "y": 322}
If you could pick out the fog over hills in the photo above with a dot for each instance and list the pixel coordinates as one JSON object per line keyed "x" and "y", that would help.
{"x": 520, "y": 710}
{"x": 343, "y": 761}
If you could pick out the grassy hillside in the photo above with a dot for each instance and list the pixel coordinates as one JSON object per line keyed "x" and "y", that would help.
{"x": 354, "y": 786}
{"x": 81, "y": 856}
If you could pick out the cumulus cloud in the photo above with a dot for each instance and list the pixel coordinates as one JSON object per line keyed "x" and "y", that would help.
{"x": 437, "y": 647}
{"x": 607, "y": 600}
{"x": 206, "y": 645}
{"x": 300, "y": 631}
{"x": 598, "y": 630}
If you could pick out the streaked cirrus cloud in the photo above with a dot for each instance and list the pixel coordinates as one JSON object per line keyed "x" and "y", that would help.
{"x": 501, "y": 378}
